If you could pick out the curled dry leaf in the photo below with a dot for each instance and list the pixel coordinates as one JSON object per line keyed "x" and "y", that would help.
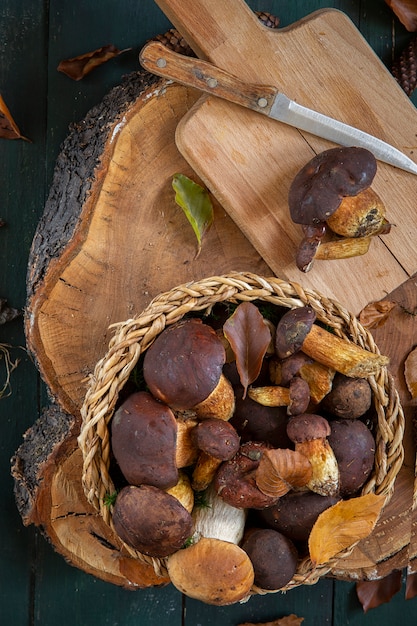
{"x": 375, "y": 313}
{"x": 249, "y": 337}
{"x": 281, "y": 469}
{"x": 373, "y": 593}
{"x": 410, "y": 372}
{"x": 79, "y": 66}
{"x": 288, "y": 620}
{"x": 8, "y": 127}
{"x": 342, "y": 525}
{"x": 406, "y": 11}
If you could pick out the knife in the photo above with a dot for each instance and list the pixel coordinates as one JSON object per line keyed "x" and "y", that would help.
{"x": 265, "y": 99}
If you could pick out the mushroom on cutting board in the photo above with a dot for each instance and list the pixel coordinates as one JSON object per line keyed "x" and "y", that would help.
{"x": 214, "y": 569}
{"x": 183, "y": 368}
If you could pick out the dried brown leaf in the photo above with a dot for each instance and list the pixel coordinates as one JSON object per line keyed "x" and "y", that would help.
{"x": 375, "y": 313}
{"x": 249, "y": 338}
{"x": 410, "y": 372}
{"x": 281, "y": 469}
{"x": 406, "y": 11}
{"x": 8, "y": 127}
{"x": 373, "y": 593}
{"x": 79, "y": 66}
{"x": 288, "y": 620}
{"x": 342, "y": 525}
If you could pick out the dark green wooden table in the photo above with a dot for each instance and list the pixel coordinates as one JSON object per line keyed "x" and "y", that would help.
{"x": 36, "y": 585}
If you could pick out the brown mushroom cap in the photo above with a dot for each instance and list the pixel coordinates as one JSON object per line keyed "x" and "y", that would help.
{"x": 151, "y": 520}
{"x": 307, "y": 427}
{"x": 235, "y": 480}
{"x": 292, "y": 329}
{"x": 213, "y": 571}
{"x": 318, "y": 188}
{"x": 274, "y": 558}
{"x": 354, "y": 448}
{"x": 143, "y": 440}
{"x": 349, "y": 398}
{"x": 184, "y": 364}
{"x": 217, "y": 438}
{"x": 295, "y": 513}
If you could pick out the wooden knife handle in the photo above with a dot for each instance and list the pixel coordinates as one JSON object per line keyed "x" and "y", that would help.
{"x": 158, "y": 59}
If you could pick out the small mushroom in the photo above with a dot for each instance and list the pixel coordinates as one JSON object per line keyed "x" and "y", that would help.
{"x": 274, "y": 558}
{"x": 183, "y": 368}
{"x": 143, "y": 440}
{"x": 319, "y": 187}
{"x": 151, "y": 521}
{"x": 319, "y": 377}
{"x": 296, "y": 397}
{"x": 235, "y": 480}
{"x": 295, "y": 513}
{"x": 217, "y": 441}
{"x": 349, "y": 398}
{"x": 296, "y": 330}
{"x": 309, "y": 433}
{"x": 214, "y": 569}
{"x": 354, "y": 448}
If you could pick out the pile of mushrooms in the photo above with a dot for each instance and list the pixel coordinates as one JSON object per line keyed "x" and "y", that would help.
{"x": 225, "y": 485}
{"x": 332, "y": 198}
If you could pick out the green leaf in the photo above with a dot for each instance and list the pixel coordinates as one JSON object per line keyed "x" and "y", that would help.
{"x": 196, "y": 204}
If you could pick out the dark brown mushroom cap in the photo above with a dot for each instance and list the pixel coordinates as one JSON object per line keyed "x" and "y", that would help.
{"x": 292, "y": 329}
{"x": 299, "y": 396}
{"x": 151, "y": 520}
{"x": 354, "y": 447}
{"x": 318, "y": 188}
{"x": 143, "y": 441}
{"x": 295, "y": 513}
{"x": 349, "y": 398}
{"x": 217, "y": 438}
{"x": 183, "y": 365}
{"x": 235, "y": 479}
{"x": 274, "y": 558}
{"x": 307, "y": 427}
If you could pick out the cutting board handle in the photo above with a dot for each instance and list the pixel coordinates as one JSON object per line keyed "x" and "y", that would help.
{"x": 206, "y": 24}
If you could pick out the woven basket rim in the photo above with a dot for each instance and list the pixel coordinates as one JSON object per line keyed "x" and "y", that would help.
{"x": 133, "y": 336}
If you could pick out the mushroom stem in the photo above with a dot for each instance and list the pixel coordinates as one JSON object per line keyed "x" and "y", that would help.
{"x": 216, "y": 519}
{"x": 342, "y": 355}
{"x": 296, "y": 397}
{"x": 204, "y": 471}
{"x": 345, "y": 248}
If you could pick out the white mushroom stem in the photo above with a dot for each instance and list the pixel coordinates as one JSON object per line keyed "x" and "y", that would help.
{"x": 216, "y": 519}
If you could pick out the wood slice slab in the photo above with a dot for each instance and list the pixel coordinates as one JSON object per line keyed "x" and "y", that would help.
{"x": 110, "y": 239}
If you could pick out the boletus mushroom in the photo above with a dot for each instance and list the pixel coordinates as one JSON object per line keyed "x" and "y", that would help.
{"x": 274, "y": 558}
{"x": 143, "y": 440}
{"x": 183, "y": 368}
{"x": 151, "y": 521}
{"x": 333, "y": 191}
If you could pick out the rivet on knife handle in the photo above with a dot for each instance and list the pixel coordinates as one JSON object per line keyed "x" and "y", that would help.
{"x": 265, "y": 99}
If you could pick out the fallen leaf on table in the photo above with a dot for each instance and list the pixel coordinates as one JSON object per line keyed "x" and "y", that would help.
{"x": 375, "y": 313}
{"x": 196, "y": 204}
{"x": 288, "y": 620}
{"x": 406, "y": 11}
{"x": 78, "y": 67}
{"x": 342, "y": 525}
{"x": 8, "y": 127}
{"x": 410, "y": 372}
{"x": 373, "y": 593}
{"x": 249, "y": 337}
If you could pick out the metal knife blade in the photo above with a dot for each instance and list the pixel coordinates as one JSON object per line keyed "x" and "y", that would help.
{"x": 265, "y": 99}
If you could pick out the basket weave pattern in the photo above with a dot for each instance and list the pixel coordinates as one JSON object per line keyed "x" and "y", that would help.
{"x": 134, "y": 336}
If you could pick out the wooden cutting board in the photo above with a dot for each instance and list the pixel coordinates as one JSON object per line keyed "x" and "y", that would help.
{"x": 248, "y": 161}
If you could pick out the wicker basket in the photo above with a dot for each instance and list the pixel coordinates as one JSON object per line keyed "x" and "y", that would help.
{"x": 134, "y": 336}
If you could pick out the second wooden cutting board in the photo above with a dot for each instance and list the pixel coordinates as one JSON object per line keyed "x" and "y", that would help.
{"x": 248, "y": 161}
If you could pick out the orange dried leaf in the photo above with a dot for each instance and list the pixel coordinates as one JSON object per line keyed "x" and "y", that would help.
{"x": 249, "y": 338}
{"x": 288, "y": 620}
{"x": 281, "y": 469}
{"x": 342, "y": 525}
{"x": 78, "y": 67}
{"x": 373, "y": 593}
{"x": 406, "y": 11}
{"x": 410, "y": 372}
{"x": 376, "y": 313}
{"x": 8, "y": 127}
